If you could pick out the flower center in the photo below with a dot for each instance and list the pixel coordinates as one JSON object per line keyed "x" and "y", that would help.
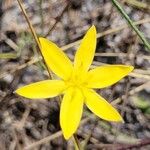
{"x": 76, "y": 80}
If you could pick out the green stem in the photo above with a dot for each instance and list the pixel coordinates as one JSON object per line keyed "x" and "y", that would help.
{"x": 123, "y": 13}
{"x": 76, "y": 142}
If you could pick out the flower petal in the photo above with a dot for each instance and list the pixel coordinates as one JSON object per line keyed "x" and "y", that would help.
{"x": 71, "y": 111}
{"x": 104, "y": 76}
{"x": 100, "y": 106}
{"x": 42, "y": 89}
{"x": 85, "y": 53}
{"x": 56, "y": 59}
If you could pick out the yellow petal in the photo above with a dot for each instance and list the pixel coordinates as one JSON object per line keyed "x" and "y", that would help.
{"x": 42, "y": 89}
{"x": 100, "y": 106}
{"x": 71, "y": 111}
{"x": 85, "y": 53}
{"x": 104, "y": 76}
{"x": 56, "y": 59}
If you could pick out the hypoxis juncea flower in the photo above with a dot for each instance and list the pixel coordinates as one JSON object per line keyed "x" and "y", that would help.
{"x": 76, "y": 83}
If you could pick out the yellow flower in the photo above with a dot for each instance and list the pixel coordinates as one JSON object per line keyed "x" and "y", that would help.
{"x": 76, "y": 83}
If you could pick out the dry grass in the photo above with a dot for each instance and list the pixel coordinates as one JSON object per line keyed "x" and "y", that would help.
{"x": 33, "y": 125}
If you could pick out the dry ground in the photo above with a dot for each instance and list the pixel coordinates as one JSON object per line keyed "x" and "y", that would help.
{"x": 26, "y": 124}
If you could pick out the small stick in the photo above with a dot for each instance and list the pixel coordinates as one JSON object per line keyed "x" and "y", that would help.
{"x": 55, "y": 135}
{"x": 57, "y": 20}
{"x": 33, "y": 32}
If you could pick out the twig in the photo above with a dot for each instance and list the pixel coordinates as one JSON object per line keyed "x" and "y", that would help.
{"x": 57, "y": 20}
{"x": 143, "y": 142}
{"x": 8, "y": 55}
{"x": 118, "y": 146}
{"x": 141, "y": 71}
{"x": 20, "y": 124}
{"x": 89, "y": 135}
{"x": 11, "y": 43}
{"x": 101, "y": 34}
{"x": 131, "y": 23}
{"x": 33, "y": 32}
{"x": 54, "y": 136}
{"x": 132, "y": 92}
{"x": 107, "y": 32}
{"x": 120, "y": 55}
{"x": 138, "y": 4}
{"x": 137, "y": 75}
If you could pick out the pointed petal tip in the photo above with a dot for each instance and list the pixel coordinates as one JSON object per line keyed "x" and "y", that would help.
{"x": 93, "y": 28}
{"x": 122, "y": 121}
{"x": 131, "y": 68}
{"x": 19, "y": 93}
{"x": 16, "y": 91}
{"x": 116, "y": 120}
{"x": 119, "y": 119}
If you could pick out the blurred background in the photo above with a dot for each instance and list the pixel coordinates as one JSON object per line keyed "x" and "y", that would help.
{"x": 27, "y": 124}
